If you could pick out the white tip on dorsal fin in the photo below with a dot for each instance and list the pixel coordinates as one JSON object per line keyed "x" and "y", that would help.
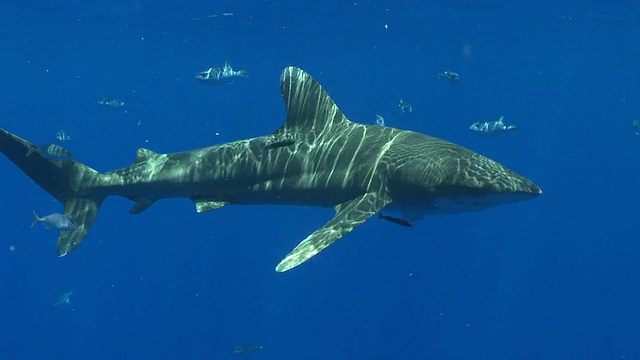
{"x": 144, "y": 154}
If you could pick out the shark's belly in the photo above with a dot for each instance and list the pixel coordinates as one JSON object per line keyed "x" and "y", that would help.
{"x": 414, "y": 209}
{"x": 276, "y": 195}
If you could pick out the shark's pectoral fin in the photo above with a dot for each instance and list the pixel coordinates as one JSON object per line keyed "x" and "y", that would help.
{"x": 82, "y": 212}
{"x": 348, "y": 216}
{"x": 204, "y": 206}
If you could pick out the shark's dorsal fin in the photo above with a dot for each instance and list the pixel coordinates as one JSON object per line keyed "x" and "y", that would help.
{"x": 308, "y": 105}
{"x": 348, "y": 216}
{"x": 144, "y": 154}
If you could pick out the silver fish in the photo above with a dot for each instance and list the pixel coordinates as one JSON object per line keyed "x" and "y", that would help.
{"x": 379, "y": 120}
{"x": 492, "y": 128}
{"x": 110, "y": 102}
{"x": 450, "y": 76}
{"x": 221, "y": 75}
{"x": 62, "y": 136}
{"x": 55, "y": 221}
{"x": 405, "y": 107}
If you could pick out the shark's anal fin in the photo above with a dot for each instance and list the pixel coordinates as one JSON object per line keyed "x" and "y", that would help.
{"x": 349, "y": 215}
{"x": 204, "y": 206}
{"x": 141, "y": 205}
{"x": 82, "y": 212}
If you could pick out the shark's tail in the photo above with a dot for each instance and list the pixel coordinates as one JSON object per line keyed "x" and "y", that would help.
{"x": 68, "y": 181}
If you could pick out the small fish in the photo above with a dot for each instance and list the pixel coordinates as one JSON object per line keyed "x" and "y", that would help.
{"x": 636, "y": 126}
{"x": 110, "y": 102}
{"x": 64, "y": 298}
{"x": 246, "y": 349}
{"x": 405, "y": 107}
{"x": 492, "y": 128}
{"x": 394, "y": 220}
{"x": 449, "y": 76}
{"x": 62, "y": 136}
{"x": 51, "y": 152}
{"x": 55, "y": 152}
{"x": 379, "y": 120}
{"x": 213, "y": 16}
{"x": 55, "y": 221}
{"x": 221, "y": 75}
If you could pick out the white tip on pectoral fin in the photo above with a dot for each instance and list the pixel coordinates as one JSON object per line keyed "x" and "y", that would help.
{"x": 350, "y": 214}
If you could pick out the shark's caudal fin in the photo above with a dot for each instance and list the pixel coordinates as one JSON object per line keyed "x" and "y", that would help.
{"x": 66, "y": 180}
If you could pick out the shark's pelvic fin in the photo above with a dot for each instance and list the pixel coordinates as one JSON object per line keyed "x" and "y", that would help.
{"x": 204, "y": 206}
{"x": 349, "y": 215}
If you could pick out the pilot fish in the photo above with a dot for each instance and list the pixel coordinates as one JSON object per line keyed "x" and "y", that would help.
{"x": 492, "y": 128}
{"x": 405, "y": 107}
{"x": 54, "y": 152}
{"x": 221, "y": 75}
{"x": 62, "y": 136}
{"x": 55, "y": 221}
{"x": 450, "y": 76}
{"x": 106, "y": 101}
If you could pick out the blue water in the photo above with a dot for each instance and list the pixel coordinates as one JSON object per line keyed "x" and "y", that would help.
{"x": 553, "y": 278}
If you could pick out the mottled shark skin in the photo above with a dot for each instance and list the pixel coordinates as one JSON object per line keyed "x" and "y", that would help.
{"x": 317, "y": 158}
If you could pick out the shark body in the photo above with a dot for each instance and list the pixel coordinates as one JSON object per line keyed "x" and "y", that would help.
{"x": 317, "y": 158}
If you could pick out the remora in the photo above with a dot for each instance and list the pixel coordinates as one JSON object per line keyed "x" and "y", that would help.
{"x": 318, "y": 158}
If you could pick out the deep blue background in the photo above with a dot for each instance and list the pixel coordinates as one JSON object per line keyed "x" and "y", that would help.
{"x": 553, "y": 278}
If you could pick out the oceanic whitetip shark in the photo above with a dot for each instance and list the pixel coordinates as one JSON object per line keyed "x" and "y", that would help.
{"x": 317, "y": 158}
